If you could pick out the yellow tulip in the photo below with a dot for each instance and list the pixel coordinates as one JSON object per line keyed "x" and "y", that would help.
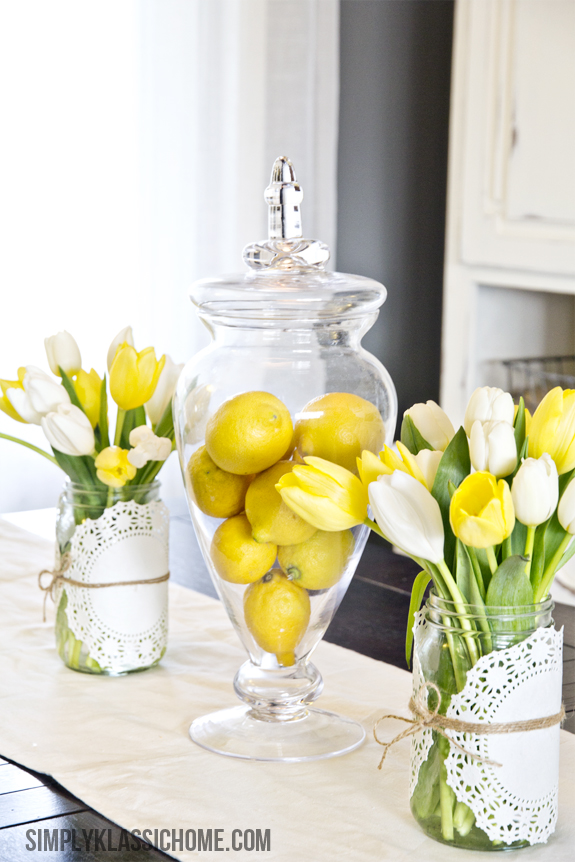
{"x": 552, "y": 429}
{"x": 113, "y": 467}
{"x": 324, "y": 494}
{"x": 422, "y": 466}
{"x": 5, "y": 404}
{"x": 88, "y": 388}
{"x": 134, "y": 376}
{"x": 481, "y": 511}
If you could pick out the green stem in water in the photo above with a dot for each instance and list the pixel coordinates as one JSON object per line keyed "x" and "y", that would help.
{"x": 549, "y": 572}
{"x": 446, "y": 799}
{"x": 477, "y": 572}
{"x": 30, "y": 446}
{"x": 529, "y": 542}
{"x": 492, "y": 559}
{"x": 119, "y": 425}
{"x": 460, "y": 607}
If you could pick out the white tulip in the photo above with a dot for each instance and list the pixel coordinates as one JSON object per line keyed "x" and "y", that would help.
{"x": 432, "y": 423}
{"x": 488, "y": 403}
{"x": 68, "y": 430}
{"x": 535, "y": 490}
{"x": 408, "y": 515}
{"x": 164, "y": 390}
{"x": 124, "y": 336}
{"x": 492, "y": 447}
{"x": 147, "y": 447}
{"x": 428, "y": 462}
{"x": 44, "y": 394}
{"x": 566, "y": 510}
{"x": 21, "y": 404}
{"x": 63, "y": 352}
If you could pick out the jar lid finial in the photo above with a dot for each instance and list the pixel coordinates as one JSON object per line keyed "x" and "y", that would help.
{"x": 283, "y": 196}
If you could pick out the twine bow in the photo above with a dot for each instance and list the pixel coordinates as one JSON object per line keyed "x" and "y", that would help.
{"x": 425, "y": 717}
{"x": 58, "y": 576}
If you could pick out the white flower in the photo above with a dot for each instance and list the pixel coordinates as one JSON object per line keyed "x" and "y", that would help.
{"x": 44, "y": 394}
{"x": 68, "y": 430}
{"x": 124, "y": 336}
{"x": 566, "y": 510}
{"x": 432, "y": 423}
{"x": 428, "y": 462}
{"x": 147, "y": 447}
{"x": 164, "y": 390}
{"x": 63, "y": 352}
{"x": 21, "y": 404}
{"x": 408, "y": 515}
{"x": 486, "y": 404}
{"x": 492, "y": 447}
{"x": 535, "y": 490}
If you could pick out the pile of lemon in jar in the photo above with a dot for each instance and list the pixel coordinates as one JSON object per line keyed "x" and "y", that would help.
{"x": 250, "y": 444}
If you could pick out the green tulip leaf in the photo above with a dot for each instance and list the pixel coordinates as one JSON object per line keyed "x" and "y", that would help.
{"x": 417, "y": 591}
{"x": 132, "y": 419}
{"x": 518, "y": 538}
{"x": 103, "y": 418}
{"x": 520, "y": 427}
{"x": 465, "y": 575}
{"x": 538, "y": 563}
{"x": 453, "y": 468}
{"x": 165, "y": 427}
{"x": 69, "y": 387}
{"x": 411, "y": 438}
{"x": 510, "y": 586}
{"x": 566, "y": 556}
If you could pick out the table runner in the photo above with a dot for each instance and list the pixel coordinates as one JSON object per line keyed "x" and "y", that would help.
{"x": 121, "y": 744}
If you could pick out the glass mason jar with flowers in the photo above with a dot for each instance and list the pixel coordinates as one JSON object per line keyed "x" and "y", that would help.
{"x": 110, "y": 578}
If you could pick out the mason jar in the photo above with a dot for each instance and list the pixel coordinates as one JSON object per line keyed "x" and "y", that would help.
{"x": 497, "y": 791}
{"x": 110, "y": 580}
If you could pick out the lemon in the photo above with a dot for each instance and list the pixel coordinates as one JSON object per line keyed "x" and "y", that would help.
{"x": 319, "y": 562}
{"x": 271, "y": 519}
{"x": 218, "y": 493}
{"x": 236, "y": 556}
{"x": 277, "y": 613}
{"x": 338, "y": 427}
{"x": 249, "y": 433}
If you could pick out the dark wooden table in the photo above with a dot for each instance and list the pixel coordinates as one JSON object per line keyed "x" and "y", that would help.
{"x": 370, "y": 620}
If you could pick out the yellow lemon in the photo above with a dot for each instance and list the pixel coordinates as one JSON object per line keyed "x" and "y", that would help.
{"x": 319, "y": 562}
{"x": 271, "y": 519}
{"x": 218, "y": 493}
{"x": 236, "y": 556}
{"x": 277, "y": 613}
{"x": 249, "y": 433}
{"x": 338, "y": 427}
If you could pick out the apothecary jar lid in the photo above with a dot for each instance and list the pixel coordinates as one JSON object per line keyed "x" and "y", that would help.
{"x": 286, "y": 279}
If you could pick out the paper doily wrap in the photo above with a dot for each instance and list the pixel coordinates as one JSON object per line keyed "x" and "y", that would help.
{"x": 123, "y": 628}
{"x": 516, "y": 801}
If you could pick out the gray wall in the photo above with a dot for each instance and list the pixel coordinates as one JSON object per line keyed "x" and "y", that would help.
{"x": 394, "y": 112}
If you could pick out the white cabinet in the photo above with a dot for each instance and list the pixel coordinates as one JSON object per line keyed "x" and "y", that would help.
{"x": 509, "y": 287}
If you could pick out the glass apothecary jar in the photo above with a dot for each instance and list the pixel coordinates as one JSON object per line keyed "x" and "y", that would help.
{"x": 497, "y": 791}
{"x": 110, "y": 583}
{"x": 285, "y": 377}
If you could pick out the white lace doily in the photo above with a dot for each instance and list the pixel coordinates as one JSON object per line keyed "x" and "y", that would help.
{"x": 420, "y": 742}
{"x": 518, "y": 800}
{"x": 126, "y": 627}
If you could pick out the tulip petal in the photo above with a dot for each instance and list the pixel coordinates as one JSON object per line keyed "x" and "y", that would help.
{"x": 320, "y": 512}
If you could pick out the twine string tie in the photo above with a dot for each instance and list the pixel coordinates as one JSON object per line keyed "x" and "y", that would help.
{"x": 58, "y": 576}
{"x": 424, "y": 717}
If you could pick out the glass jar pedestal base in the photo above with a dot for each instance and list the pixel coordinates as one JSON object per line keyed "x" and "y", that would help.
{"x": 276, "y": 723}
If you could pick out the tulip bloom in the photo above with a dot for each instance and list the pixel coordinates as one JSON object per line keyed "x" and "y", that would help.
{"x": 566, "y": 510}
{"x": 6, "y": 404}
{"x": 422, "y": 466}
{"x": 68, "y": 430}
{"x": 553, "y": 429}
{"x": 147, "y": 447}
{"x": 432, "y": 423}
{"x": 88, "y": 388}
{"x": 157, "y": 404}
{"x": 113, "y": 467}
{"x": 535, "y": 490}
{"x": 125, "y": 336}
{"x": 488, "y": 403}
{"x": 324, "y": 494}
{"x": 63, "y": 352}
{"x": 492, "y": 447}
{"x": 134, "y": 376}
{"x": 44, "y": 394}
{"x": 408, "y": 515}
{"x": 481, "y": 511}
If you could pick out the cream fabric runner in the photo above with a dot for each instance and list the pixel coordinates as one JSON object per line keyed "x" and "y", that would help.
{"x": 122, "y": 746}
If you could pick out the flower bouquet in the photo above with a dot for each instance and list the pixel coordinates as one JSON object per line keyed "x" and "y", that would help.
{"x": 112, "y": 530}
{"x": 488, "y": 512}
